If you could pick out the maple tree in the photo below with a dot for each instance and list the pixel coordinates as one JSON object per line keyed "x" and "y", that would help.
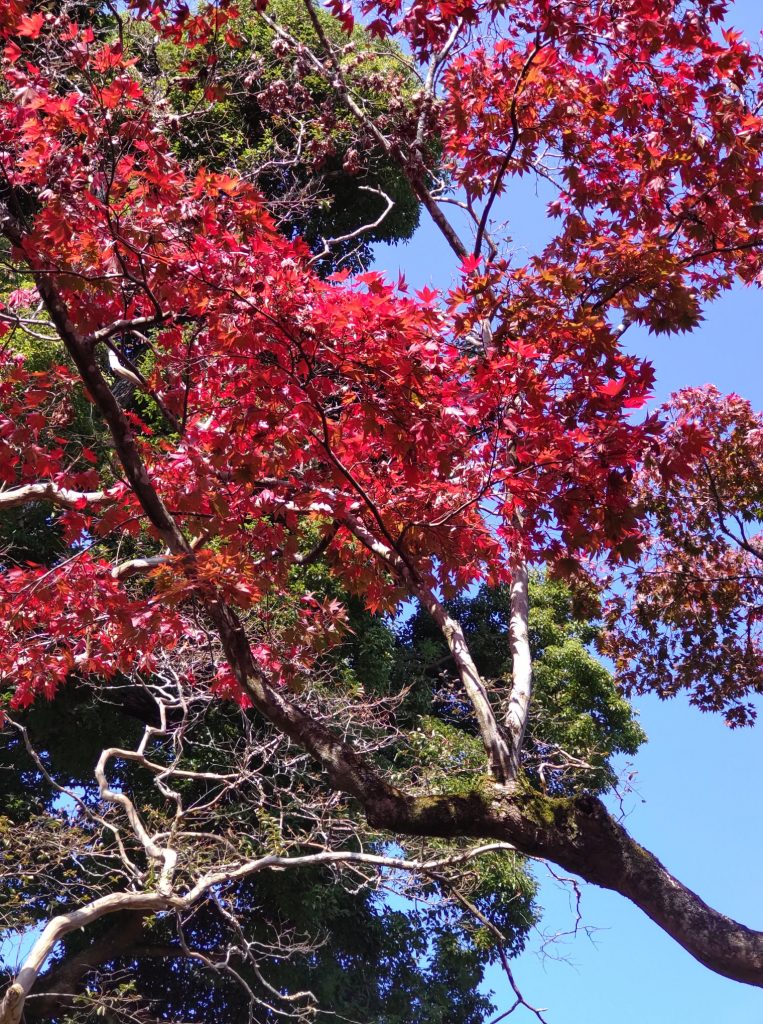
{"x": 425, "y": 443}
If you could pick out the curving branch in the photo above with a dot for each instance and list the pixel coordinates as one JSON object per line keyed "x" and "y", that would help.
{"x": 12, "y": 1005}
{"x": 164, "y": 857}
{"x": 580, "y": 835}
{"x": 329, "y": 243}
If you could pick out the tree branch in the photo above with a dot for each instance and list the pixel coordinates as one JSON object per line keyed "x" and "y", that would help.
{"x": 495, "y": 743}
{"x": 12, "y": 1005}
{"x": 522, "y": 669}
{"x": 580, "y": 835}
{"x": 81, "y": 350}
{"x": 26, "y": 494}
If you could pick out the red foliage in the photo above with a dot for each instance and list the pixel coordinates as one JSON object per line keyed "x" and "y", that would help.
{"x": 347, "y": 404}
{"x": 691, "y": 614}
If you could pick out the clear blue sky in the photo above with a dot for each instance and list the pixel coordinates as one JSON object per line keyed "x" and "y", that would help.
{"x": 698, "y": 806}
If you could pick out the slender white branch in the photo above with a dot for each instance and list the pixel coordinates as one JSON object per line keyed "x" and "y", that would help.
{"x": 134, "y": 566}
{"x": 522, "y": 672}
{"x": 116, "y": 366}
{"x": 25, "y": 494}
{"x": 169, "y": 771}
{"x": 496, "y": 745}
{"x": 275, "y": 862}
{"x": 163, "y": 856}
{"x": 12, "y": 1005}
{"x": 328, "y": 243}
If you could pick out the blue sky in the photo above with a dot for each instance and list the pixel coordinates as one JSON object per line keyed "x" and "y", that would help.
{"x": 697, "y": 805}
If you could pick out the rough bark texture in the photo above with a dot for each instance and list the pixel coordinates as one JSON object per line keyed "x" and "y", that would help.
{"x": 500, "y": 754}
{"x": 581, "y": 836}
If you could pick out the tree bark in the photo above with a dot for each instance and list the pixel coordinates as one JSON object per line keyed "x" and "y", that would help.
{"x": 580, "y": 836}
{"x": 64, "y": 981}
{"x": 522, "y": 668}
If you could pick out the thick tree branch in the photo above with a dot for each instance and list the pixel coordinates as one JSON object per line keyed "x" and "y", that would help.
{"x": 580, "y": 835}
{"x": 346, "y": 770}
{"x": 498, "y": 749}
{"x": 12, "y": 1005}
{"x": 495, "y": 742}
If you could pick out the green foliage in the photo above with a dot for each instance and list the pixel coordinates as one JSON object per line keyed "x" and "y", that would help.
{"x": 449, "y": 758}
{"x": 577, "y": 710}
{"x": 278, "y": 121}
{"x": 28, "y": 533}
{"x": 505, "y": 894}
